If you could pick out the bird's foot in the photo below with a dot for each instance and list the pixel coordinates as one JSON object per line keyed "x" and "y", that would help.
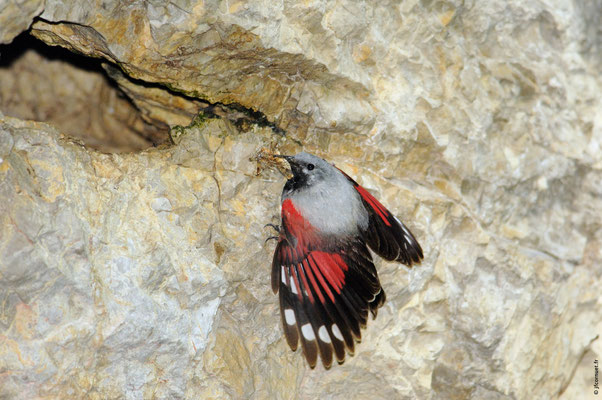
{"x": 276, "y": 227}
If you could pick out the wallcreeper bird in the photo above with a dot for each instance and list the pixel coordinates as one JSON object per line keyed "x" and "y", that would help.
{"x": 322, "y": 267}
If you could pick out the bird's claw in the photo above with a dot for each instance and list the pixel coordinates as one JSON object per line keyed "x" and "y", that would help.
{"x": 271, "y": 238}
{"x": 276, "y": 227}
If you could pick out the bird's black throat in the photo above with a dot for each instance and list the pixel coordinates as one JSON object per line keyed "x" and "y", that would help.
{"x": 299, "y": 179}
{"x": 297, "y": 182}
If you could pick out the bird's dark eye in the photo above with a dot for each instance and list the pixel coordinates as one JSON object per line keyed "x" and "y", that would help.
{"x": 310, "y": 167}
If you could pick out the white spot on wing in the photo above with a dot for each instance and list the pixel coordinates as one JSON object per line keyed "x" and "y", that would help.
{"x": 337, "y": 332}
{"x": 308, "y": 332}
{"x": 293, "y": 287}
{"x": 323, "y": 334}
{"x": 283, "y": 275}
{"x": 289, "y": 316}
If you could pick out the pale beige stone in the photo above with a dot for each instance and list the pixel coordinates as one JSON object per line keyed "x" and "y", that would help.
{"x": 16, "y": 16}
{"x": 146, "y": 275}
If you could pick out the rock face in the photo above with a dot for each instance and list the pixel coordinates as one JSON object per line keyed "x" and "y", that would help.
{"x": 145, "y": 275}
{"x": 17, "y": 16}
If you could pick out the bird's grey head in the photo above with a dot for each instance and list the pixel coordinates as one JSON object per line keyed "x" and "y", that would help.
{"x": 308, "y": 170}
{"x": 324, "y": 196}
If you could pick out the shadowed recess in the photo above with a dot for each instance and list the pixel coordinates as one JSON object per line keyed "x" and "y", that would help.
{"x": 73, "y": 93}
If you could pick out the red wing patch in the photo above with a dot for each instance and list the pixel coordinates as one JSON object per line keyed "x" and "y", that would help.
{"x": 331, "y": 266}
{"x": 378, "y": 208}
{"x": 326, "y": 289}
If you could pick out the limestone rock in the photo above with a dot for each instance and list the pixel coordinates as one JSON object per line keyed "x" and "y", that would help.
{"x": 16, "y": 16}
{"x": 145, "y": 275}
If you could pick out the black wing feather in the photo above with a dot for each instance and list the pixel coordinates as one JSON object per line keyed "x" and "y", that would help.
{"x": 327, "y": 326}
{"x": 387, "y": 235}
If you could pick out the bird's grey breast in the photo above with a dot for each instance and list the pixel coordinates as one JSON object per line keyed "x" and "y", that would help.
{"x": 332, "y": 207}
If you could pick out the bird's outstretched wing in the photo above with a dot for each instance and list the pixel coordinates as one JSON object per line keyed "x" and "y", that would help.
{"x": 387, "y": 235}
{"x": 326, "y": 289}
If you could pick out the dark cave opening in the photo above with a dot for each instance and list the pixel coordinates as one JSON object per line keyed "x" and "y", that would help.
{"x": 73, "y": 93}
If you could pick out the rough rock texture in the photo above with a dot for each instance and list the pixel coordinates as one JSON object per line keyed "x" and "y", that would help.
{"x": 145, "y": 275}
{"x": 16, "y": 16}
